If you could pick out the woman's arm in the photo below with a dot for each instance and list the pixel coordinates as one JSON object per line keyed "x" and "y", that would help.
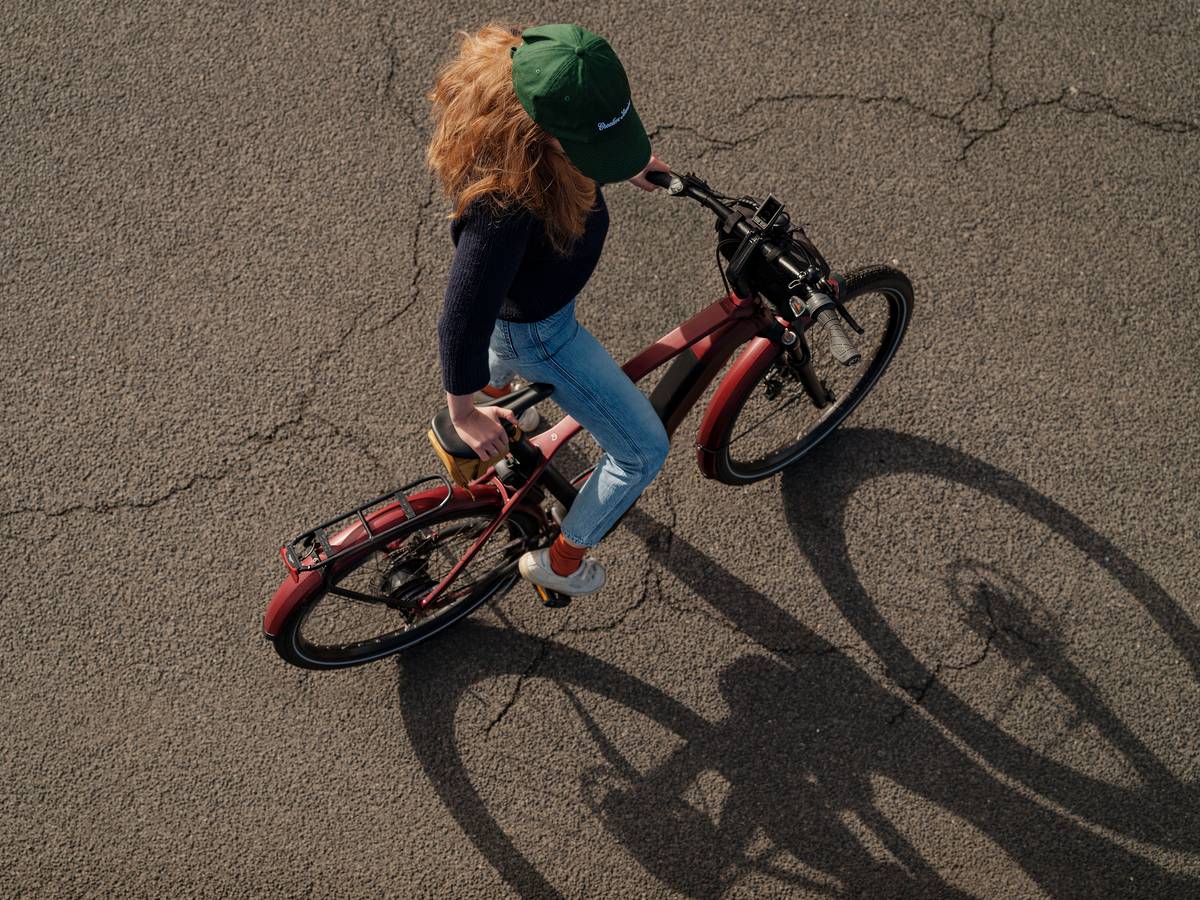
{"x": 490, "y": 247}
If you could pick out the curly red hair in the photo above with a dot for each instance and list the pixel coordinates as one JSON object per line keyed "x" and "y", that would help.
{"x": 485, "y": 144}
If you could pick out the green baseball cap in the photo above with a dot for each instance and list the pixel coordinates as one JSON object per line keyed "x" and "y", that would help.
{"x": 572, "y": 84}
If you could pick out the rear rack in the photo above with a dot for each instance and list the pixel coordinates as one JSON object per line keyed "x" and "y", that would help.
{"x": 312, "y": 549}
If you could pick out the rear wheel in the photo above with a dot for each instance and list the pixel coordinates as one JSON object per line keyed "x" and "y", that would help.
{"x": 777, "y": 418}
{"x": 370, "y": 609}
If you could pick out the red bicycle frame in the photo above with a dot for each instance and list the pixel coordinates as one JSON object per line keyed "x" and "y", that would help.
{"x": 711, "y": 336}
{"x": 700, "y": 347}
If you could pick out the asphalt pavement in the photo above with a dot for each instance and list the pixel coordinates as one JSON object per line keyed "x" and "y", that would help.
{"x": 953, "y": 652}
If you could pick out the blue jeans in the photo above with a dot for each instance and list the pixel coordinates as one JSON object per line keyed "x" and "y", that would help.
{"x": 589, "y": 386}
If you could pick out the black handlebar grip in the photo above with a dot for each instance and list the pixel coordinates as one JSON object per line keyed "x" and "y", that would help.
{"x": 662, "y": 179}
{"x": 840, "y": 345}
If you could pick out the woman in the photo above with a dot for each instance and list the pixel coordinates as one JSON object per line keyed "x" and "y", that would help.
{"x": 529, "y": 124}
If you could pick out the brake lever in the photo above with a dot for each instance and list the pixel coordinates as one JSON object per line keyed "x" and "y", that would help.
{"x": 845, "y": 314}
{"x": 836, "y": 296}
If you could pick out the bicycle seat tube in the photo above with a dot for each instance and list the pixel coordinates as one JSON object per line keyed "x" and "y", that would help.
{"x": 528, "y": 458}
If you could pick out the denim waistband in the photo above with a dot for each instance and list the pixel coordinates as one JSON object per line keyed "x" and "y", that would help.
{"x": 537, "y": 340}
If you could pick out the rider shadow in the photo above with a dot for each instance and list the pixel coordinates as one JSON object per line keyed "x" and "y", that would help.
{"x": 811, "y": 736}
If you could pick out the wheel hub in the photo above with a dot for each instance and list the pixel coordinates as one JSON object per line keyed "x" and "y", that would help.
{"x": 405, "y": 582}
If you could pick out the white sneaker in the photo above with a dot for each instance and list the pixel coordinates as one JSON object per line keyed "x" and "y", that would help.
{"x": 526, "y": 421}
{"x": 587, "y": 579}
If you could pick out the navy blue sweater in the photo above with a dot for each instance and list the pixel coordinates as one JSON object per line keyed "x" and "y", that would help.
{"x": 504, "y": 267}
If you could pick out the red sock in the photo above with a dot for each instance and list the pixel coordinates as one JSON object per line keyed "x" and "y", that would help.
{"x": 564, "y": 558}
{"x": 497, "y": 392}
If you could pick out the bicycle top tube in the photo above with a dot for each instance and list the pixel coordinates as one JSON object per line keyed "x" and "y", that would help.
{"x": 723, "y": 324}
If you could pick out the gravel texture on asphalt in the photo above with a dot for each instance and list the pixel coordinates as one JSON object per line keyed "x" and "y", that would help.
{"x": 953, "y": 652}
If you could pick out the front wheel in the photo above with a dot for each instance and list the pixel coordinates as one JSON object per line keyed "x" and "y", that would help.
{"x": 370, "y": 609}
{"x": 776, "y": 418}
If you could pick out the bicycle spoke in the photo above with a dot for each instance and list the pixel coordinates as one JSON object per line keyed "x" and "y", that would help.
{"x": 775, "y": 427}
{"x": 800, "y": 395}
{"x": 444, "y": 551}
{"x": 377, "y": 603}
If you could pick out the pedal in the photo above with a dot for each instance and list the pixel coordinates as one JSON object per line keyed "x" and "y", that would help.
{"x": 551, "y": 598}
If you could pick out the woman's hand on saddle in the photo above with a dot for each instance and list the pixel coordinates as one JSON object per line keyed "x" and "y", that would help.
{"x": 480, "y": 428}
{"x": 655, "y": 165}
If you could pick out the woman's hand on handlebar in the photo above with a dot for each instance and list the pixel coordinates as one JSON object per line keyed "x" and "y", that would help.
{"x": 481, "y": 430}
{"x": 655, "y": 165}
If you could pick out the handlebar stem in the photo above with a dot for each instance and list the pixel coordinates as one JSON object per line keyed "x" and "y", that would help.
{"x": 803, "y": 276}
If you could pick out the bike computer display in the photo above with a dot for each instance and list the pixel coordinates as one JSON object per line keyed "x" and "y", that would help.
{"x": 768, "y": 212}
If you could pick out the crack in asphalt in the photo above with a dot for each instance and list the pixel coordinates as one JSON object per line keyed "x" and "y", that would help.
{"x": 391, "y": 52}
{"x": 309, "y": 394}
{"x": 994, "y": 96}
{"x": 261, "y": 439}
{"x": 715, "y": 143}
{"x": 993, "y": 629}
{"x": 365, "y": 450}
{"x": 387, "y": 35}
{"x": 418, "y": 267}
{"x": 543, "y": 649}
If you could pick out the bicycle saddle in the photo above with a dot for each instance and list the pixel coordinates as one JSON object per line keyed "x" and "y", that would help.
{"x": 445, "y": 437}
{"x": 460, "y": 460}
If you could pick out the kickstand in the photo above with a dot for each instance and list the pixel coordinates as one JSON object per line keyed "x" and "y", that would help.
{"x": 551, "y": 598}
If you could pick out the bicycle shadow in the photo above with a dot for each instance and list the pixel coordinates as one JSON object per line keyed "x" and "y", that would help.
{"x": 816, "y": 496}
{"x": 801, "y": 750}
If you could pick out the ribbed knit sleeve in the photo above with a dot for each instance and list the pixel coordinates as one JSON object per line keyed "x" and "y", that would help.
{"x": 491, "y": 245}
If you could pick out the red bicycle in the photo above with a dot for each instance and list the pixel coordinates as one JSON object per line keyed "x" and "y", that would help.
{"x": 402, "y": 567}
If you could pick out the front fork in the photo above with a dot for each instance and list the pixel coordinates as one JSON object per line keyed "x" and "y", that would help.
{"x": 798, "y": 357}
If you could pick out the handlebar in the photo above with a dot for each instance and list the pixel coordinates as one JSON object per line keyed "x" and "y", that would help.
{"x": 800, "y": 272}
{"x": 662, "y": 179}
{"x": 840, "y": 344}
{"x": 697, "y": 190}
{"x": 802, "y": 275}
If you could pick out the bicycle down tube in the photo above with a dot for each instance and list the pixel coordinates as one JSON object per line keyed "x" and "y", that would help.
{"x": 711, "y": 334}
